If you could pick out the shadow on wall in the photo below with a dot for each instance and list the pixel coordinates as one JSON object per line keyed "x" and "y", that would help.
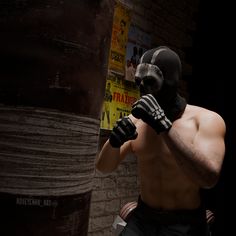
{"x": 212, "y": 71}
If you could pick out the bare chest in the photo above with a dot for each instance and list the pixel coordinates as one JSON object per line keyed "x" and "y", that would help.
{"x": 149, "y": 146}
{"x": 152, "y": 152}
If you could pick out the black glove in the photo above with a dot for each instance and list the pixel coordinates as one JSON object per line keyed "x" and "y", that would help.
{"x": 123, "y": 131}
{"x": 148, "y": 109}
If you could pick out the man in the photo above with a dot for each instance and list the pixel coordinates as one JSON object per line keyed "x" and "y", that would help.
{"x": 121, "y": 36}
{"x": 129, "y": 71}
{"x": 106, "y": 105}
{"x": 179, "y": 148}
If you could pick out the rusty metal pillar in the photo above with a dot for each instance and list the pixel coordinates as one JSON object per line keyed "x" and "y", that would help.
{"x": 54, "y": 58}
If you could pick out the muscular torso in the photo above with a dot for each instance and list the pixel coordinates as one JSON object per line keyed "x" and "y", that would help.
{"x": 163, "y": 184}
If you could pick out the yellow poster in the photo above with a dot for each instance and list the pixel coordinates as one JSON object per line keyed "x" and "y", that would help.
{"x": 119, "y": 38}
{"x": 119, "y": 97}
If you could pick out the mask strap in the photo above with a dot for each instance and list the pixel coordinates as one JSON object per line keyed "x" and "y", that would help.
{"x": 155, "y": 54}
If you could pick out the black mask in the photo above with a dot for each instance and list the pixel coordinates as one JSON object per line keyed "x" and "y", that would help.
{"x": 158, "y": 73}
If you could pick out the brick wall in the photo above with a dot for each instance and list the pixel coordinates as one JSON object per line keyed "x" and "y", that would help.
{"x": 171, "y": 23}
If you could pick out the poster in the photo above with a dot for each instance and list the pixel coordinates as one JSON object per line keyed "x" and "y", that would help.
{"x": 119, "y": 38}
{"x": 128, "y": 43}
{"x": 138, "y": 42}
{"x": 119, "y": 97}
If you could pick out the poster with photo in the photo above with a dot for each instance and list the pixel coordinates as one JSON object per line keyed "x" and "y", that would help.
{"x": 138, "y": 42}
{"x": 119, "y": 97}
{"x": 119, "y": 38}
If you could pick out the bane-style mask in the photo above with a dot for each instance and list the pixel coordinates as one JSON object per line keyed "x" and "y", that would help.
{"x": 158, "y": 74}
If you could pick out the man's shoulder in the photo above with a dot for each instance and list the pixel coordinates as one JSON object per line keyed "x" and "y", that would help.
{"x": 201, "y": 111}
{"x": 204, "y": 115}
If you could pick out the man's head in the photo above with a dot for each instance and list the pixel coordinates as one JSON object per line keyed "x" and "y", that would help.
{"x": 159, "y": 69}
{"x": 122, "y": 25}
{"x": 158, "y": 73}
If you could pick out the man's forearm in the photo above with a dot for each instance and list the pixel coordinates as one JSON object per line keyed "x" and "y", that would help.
{"x": 108, "y": 158}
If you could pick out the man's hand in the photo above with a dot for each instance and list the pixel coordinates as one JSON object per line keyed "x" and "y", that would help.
{"x": 123, "y": 131}
{"x": 148, "y": 109}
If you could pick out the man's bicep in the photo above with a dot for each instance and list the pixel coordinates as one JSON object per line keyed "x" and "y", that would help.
{"x": 210, "y": 139}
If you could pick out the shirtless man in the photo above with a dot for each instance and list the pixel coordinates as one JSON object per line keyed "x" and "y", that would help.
{"x": 179, "y": 148}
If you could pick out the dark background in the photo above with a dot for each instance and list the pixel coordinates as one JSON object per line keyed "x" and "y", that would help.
{"x": 213, "y": 60}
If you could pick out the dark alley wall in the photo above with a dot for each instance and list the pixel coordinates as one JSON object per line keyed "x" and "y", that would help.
{"x": 212, "y": 78}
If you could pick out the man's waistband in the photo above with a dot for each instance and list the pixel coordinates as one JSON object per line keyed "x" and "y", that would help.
{"x": 171, "y": 216}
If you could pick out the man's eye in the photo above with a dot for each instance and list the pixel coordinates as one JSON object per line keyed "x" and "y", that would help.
{"x": 149, "y": 81}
